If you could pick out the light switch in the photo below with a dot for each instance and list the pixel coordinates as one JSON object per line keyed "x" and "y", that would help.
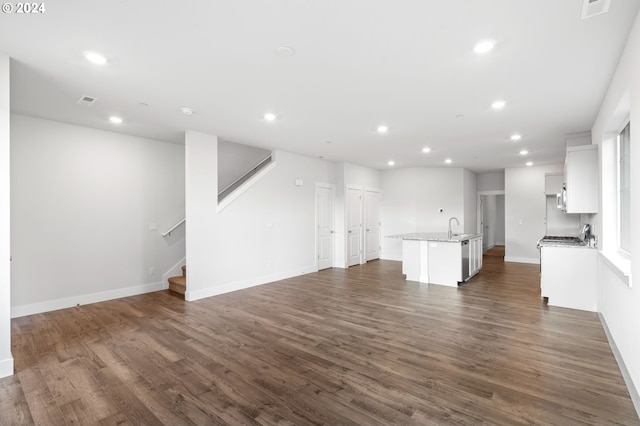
{"x": 153, "y": 227}
{"x": 299, "y": 182}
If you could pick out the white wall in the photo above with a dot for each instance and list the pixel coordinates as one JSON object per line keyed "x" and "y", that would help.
{"x": 500, "y": 220}
{"x": 493, "y": 181}
{"x": 266, "y": 234}
{"x": 6, "y": 359}
{"x": 355, "y": 174}
{"x": 235, "y": 159}
{"x": 412, "y": 198}
{"x": 82, "y": 202}
{"x": 470, "y": 201}
{"x": 525, "y": 210}
{"x": 339, "y": 254}
{"x": 618, "y": 303}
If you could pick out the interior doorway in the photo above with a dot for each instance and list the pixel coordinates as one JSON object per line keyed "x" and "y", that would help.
{"x": 491, "y": 223}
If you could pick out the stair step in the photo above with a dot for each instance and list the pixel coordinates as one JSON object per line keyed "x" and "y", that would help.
{"x": 178, "y": 284}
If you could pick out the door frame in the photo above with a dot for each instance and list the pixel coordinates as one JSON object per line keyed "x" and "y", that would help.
{"x": 479, "y": 214}
{"x": 332, "y": 187}
{"x": 364, "y": 221}
{"x": 346, "y": 223}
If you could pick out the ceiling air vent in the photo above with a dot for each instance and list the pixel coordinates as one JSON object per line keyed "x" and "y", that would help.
{"x": 86, "y": 100}
{"x": 595, "y": 7}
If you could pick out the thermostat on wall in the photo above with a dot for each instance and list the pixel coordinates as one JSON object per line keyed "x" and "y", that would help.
{"x": 299, "y": 182}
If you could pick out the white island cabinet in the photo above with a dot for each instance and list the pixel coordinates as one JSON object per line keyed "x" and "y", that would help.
{"x": 436, "y": 258}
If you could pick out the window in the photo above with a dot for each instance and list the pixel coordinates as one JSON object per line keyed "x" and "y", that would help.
{"x": 624, "y": 190}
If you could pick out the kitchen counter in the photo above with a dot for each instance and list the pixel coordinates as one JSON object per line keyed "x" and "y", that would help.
{"x": 436, "y": 258}
{"x": 435, "y": 236}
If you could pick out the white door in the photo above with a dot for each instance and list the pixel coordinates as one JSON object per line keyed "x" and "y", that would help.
{"x": 354, "y": 226}
{"x": 324, "y": 219}
{"x": 372, "y": 225}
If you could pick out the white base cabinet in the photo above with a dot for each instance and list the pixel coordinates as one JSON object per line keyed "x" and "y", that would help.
{"x": 445, "y": 263}
{"x": 475, "y": 256}
{"x": 568, "y": 277}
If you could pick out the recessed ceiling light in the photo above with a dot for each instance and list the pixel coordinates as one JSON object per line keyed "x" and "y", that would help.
{"x": 115, "y": 120}
{"x": 391, "y": 163}
{"x": 284, "y": 51}
{"x": 484, "y": 46}
{"x": 529, "y": 163}
{"x": 524, "y": 152}
{"x": 382, "y": 129}
{"x": 448, "y": 161}
{"x": 498, "y": 105}
{"x": 269, "y": 116}
{"x": 187, "y": 110}
{"x": 426, "y": 149}
{"x": 95, "y": 58}
{"x": 516, "y": 137}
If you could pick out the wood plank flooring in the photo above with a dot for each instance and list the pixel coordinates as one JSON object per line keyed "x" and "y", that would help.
{"x": 357, "y": 346}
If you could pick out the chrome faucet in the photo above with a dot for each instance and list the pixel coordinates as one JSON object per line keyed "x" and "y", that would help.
{"x": 457, "y": 223}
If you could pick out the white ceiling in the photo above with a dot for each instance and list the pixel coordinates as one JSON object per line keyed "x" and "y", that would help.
{"x": 357, "y": 64}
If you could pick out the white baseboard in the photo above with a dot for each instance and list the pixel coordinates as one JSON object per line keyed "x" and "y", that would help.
{"x": 534, "y": 260}
{"x": 633, "y": 392}
{"x": 391, "y": 257}
{"x": 191, "y": 296}
{"x": 6, "y": 367}
{"x": 85, "y": 299}
{"x": 174, "y": 271}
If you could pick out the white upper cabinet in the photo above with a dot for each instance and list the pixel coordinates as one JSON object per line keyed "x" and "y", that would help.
{"x": 553, "y": 183}
{"x": 581, "y": 178}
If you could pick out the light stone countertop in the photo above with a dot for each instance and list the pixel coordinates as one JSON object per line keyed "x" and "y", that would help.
{"x": 434, "y": 236}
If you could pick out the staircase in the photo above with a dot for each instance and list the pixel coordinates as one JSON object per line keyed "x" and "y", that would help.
{"x": 179, "y": 284}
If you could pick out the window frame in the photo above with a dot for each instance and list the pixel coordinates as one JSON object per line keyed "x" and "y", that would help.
{"x": 620, "y": 163}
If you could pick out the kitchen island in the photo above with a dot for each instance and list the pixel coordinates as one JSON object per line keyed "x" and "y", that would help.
{"x": 440, "y": 258}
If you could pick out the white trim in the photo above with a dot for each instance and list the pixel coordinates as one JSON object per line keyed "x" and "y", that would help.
{"x": 85, "y": 299}
{"x": 479, "y": 195}
{"x": 633, "y": 392}
{"x": 6, "y": 367}
{"x": 533, "y": 260}
{"x": 246, "y": 185}
{"x": 175, "y": 270}
{"x": 229, "y": 287}
{"x": 618, "y": 264}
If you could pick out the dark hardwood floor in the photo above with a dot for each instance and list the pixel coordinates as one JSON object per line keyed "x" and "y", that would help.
{"x": 356, "y": 346}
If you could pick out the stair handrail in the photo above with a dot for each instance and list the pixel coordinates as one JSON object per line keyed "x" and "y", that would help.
{"x": 252, "y": 170}
{"x": 170, "y": 230}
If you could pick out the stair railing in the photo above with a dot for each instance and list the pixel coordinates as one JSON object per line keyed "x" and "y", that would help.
{"x": 242, "y": 179}
{"x": 170, "y": 230}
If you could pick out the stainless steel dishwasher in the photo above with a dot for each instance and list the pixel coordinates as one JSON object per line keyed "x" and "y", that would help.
{"x": 465, "y": 260}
